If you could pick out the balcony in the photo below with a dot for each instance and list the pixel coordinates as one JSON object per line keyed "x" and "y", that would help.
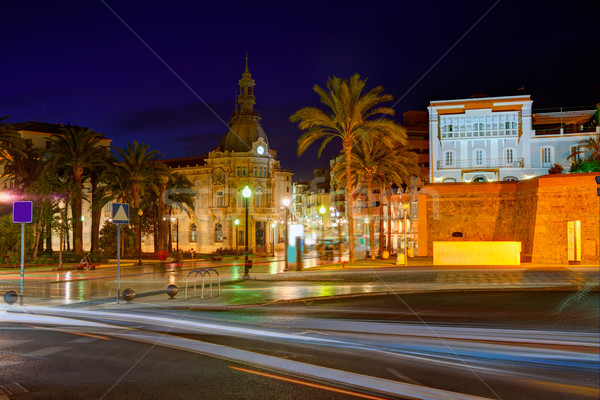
{"x": 487, "y": 163}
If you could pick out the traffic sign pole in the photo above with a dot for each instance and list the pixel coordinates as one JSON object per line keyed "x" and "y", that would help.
{"x": 118, "y": 259}
{"x": 22, "y": 259}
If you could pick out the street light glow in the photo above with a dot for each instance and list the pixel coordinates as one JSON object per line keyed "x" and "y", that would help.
{"x": 322, "y": 210}
{"x": 286, "y": 201}
{"x": 237, "y": 221}
{"x": 246, "y": 192}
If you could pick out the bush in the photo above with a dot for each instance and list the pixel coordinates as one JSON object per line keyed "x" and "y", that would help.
{"x": 590, "y": 164}
{"x": 556, "y": 169}
{"x": 228, "y": 251}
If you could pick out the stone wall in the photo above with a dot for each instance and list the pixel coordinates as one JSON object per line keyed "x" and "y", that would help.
{"x": 534, "y": 212}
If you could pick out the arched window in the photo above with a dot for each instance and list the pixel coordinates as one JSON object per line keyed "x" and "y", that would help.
{"x": 193, "y": 233}
{"x": 479, "y": 178}
{"x": 218, "y": 232}
{"x": 258, "y": 198}
{"x": 510, "y": 178}
{"x": 449, "y": 180}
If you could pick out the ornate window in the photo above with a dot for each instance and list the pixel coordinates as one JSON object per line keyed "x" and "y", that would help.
{"x": 218, "y": 232}
{"x": 258, "y": 198}
{"x": 193, "y": 233}
{"x": 219, "y": 199}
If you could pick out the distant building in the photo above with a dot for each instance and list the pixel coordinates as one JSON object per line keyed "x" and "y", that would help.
{"x": 417, "y": 129}
{"x": 242, "y": 158}
{"x": 500, "y": 139}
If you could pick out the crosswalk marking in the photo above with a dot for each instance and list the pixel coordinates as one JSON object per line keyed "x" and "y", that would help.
{"x": 4, "y": 343}
{"x": 84, "y": 340}
{"x": 46, "y": 351}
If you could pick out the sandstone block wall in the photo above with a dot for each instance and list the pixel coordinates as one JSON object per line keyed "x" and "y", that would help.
{"x": 534, "y": 212}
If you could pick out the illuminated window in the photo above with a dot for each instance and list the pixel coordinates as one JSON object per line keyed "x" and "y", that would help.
{"x": 219, "y": 199}
{"x": 193, "y": 233}
{"x": 218, "y": 233}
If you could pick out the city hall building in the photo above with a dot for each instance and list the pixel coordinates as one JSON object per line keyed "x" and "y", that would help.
{"x": 242, "y": 158}
{"x": 501, "y": 139}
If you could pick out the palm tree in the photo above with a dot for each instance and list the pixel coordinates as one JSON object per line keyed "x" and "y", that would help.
{"x": 590, "y": 146}
{"x": 77, "y": 151}
{"x": 353, "y": 116}
{"x": 139, "y": 165}
{"x": 10, "y": 140}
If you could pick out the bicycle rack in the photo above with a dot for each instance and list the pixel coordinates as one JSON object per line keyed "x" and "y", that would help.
{"x": 203, "y": 273}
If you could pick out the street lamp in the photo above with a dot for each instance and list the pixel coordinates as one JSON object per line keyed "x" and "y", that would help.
{"x": 322, "y": 212}
{"x": 140, "y": 213}
{"x": 286, "y": 204}
{"x": 246, "y": 193}
{"x": 236, "y": 223}
{"x": 405, "y": 209}
{"x": 273, "y": 225}
{"x": 61, "y": 207}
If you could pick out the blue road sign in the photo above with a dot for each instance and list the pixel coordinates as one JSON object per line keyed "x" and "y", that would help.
{"x": 120, "y": 213}
{"x": 22, "y": 212}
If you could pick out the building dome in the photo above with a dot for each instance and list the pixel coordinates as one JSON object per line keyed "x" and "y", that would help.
{"x": 244, "y": 127}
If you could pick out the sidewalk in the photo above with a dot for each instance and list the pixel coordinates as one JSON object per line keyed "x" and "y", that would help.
{"x": 364, "y": 277}
{"x": 367, "y": 279}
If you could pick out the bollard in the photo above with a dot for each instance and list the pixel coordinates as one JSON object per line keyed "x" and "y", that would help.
{"x": 400, "y": 259}
{"x": 172, "y": 291}
{"x": 128, "y": 294}
{"x": 11, "y": 297}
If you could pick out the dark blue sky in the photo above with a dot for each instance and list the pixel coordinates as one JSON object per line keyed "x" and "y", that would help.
{"x": 77, "y": 62}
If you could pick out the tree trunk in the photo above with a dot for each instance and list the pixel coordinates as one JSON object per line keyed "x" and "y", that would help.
{"x": 371, "y": 222}
{"x": 96, "y": 215}
{"x": 390, "y": 246}
{"x": 77, "y": 211}
{"x": 156, "y": 227}
{"x": 38, "y": 231}
{"x": 49, "y": 249}
{"x": 348, "y": 154}
{"x": 162, "y": 245}
{"x": 381, "y": 230}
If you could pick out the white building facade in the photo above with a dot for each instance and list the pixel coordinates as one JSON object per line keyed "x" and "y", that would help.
{"x": 499, "y": 139}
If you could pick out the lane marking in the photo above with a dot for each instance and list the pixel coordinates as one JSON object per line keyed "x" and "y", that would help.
{"x": 314, "y": 385}
{"x": 46, "y": 352}
{"x": 83, "y": 340}
{"x": 70, "y": 332}
{"x": 565, "y": 388}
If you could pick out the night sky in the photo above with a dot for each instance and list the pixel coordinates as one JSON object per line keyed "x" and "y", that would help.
{"x": 80, "y": 62}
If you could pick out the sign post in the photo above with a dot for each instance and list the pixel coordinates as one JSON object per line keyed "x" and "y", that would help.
{"x": 22, "y": 214}
{"x": 120, "y": 215}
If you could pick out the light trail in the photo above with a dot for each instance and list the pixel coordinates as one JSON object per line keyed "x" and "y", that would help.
{"x": 314, "y": 385}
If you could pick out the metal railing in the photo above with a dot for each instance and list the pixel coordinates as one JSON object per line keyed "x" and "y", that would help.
{"x": 202, "y": 273}
{"x": 485, "y": 163}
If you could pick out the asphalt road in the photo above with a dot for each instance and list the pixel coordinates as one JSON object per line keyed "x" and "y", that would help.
{"x": 166, "y": 354}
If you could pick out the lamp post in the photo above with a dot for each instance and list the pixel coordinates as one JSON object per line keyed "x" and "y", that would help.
{"x": 286, "y": 204}
{"x": 246, "y": 193}
{"x": 140, "y": 213}
{"x": 273, "y": 225}
{"x": 322, "y": 212}
{"x": 405, "y": 209}
{"x": 236, "y": 223}
{"x": 61, "y": 207}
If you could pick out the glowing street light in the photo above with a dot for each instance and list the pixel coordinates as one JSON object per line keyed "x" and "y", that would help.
{"x": 140, "y": 213}
{"x": 322, "y": 211}
{"x": 405, "y": 209}
{"x": 246, "y": 193}
{"x": 61, "y": 207}
{"x": 286, "y": 204}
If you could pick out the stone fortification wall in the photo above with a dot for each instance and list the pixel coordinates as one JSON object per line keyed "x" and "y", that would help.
{"x": 534, "y": 212}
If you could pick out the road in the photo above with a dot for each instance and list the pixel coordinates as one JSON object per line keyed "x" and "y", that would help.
{"x": 311, "y": 351}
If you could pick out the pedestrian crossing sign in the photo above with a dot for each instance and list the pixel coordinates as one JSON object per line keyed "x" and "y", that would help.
{"x": 120, "y": 213}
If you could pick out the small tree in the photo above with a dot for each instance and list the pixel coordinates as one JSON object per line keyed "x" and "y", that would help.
{"x": 556, "y": 169}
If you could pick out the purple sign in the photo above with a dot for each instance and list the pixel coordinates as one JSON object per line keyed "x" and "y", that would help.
{"x": 22, "y": 212}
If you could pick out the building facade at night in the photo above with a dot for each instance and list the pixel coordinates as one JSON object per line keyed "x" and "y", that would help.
{"x": 501, "y": 139}
{"x": 242, "y": 158}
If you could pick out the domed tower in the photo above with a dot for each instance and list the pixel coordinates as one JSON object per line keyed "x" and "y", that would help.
{"x": 244, "y": 127}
